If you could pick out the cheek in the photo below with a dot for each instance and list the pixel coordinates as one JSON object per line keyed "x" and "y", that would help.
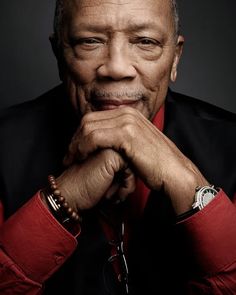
{"x": 156, "y": 73}
{"x": 81, "y": 71}
{"x": 78, "y": 75}
{"x": 156, "y": 80}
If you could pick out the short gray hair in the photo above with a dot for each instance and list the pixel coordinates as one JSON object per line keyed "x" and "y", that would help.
{"x": 175, "y": 10}
{"x": 60, "y": 10}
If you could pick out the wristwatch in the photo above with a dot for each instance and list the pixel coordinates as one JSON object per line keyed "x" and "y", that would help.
{"x": 203, "y": 196}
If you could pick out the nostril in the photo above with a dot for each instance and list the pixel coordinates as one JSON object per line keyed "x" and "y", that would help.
{"x": 116, "y": 71}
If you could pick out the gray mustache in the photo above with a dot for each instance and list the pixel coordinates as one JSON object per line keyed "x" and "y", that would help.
{"x": 118, "y": 94}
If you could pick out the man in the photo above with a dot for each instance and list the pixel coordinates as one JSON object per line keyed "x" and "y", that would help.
{"x": 139, "y": 166}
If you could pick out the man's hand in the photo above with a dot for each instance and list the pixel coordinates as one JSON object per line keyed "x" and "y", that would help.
{"x": 103, "y": 175}
{"x": 148, "y": 151}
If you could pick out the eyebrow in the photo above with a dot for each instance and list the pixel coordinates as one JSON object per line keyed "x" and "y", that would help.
{"x": 132, "y": 27}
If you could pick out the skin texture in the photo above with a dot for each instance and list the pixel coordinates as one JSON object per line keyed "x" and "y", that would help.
{"x": 116, "y": 50}
{"x": 117, "y": 59}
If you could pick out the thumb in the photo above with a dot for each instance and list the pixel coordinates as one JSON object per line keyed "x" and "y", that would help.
{"x": 122, "y": 186}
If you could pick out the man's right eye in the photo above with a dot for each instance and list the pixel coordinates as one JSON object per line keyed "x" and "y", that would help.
{"x": 86, "y": 41}
{"x": 89, "y": 41}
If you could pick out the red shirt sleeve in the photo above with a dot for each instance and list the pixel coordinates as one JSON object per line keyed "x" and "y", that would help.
{"x": 211, "y": 235}
{"x": 29, "y": 254}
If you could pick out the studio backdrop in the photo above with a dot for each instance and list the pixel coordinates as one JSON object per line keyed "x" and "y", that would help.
{"x": 207, "y": 68}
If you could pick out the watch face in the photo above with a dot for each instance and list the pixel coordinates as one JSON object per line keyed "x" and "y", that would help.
{"x": 205, "y": 196}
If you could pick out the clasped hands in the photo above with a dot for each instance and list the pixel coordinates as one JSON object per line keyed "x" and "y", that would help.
{"x": 110, "y": 148}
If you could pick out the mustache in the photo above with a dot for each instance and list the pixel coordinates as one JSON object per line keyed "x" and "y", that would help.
{"x": 135, "y": 95}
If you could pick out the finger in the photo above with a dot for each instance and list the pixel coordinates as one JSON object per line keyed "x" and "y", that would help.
{"x": 111, "y": 192}
{"x": 69, "y": 158}
{"x": 117, "y": 118}
{"x": 122, "y": 186}
{"x": 129, "y": 185}
{"x": 89, "y": 123}
{"x": 100, "y": 115}
{"x": 100, "y": 139}
{"x": 112, "y": 119}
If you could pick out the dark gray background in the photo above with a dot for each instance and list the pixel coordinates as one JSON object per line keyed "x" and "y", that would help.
{"x": 207, "y": 69}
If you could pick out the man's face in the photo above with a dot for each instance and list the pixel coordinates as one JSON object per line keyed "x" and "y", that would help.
{"x": 119, "y": 53}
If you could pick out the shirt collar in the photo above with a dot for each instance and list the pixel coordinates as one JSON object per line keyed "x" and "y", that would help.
{"x": 158, "y": 120}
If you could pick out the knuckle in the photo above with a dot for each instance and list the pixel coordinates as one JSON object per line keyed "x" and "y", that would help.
{"x": 130, "y": 122}
{"x": 93, "y": 137}
{"x": 85, "y": 128}
{"x": 86, "y": 119}
{"x": 129, "y": 128}
{"x": 130, "y": 118}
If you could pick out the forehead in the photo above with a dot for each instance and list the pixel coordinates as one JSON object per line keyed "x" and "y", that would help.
{"x": 119, "y": 13}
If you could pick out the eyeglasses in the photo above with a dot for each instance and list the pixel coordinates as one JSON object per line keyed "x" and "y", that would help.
{"x": 113, "y": 287}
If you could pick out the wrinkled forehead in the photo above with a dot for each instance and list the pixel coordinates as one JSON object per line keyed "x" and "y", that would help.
{"x": 72, "y": 7}
{"x": 84, "y": 3}
{"x": 125, "y": 10}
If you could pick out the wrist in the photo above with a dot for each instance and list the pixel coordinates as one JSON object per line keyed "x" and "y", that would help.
{"x": 203, "y": 196}
{"x": 59, "y": 207}
{"x": 182, "y": 192}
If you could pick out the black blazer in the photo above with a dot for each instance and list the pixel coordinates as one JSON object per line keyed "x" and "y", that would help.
{"x": 34, "y": 138}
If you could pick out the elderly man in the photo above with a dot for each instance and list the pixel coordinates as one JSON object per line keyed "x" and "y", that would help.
{"x": 145, "y": 179}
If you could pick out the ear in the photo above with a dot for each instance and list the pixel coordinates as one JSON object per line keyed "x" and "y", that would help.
{"x": 178, "y": 53}
{"x": 58, "y": 54}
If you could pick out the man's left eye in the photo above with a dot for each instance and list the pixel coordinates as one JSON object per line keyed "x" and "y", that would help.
{"x": 146, "y": 41}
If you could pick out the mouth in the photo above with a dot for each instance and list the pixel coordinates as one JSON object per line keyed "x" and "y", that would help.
{"x": 111, "y": 104}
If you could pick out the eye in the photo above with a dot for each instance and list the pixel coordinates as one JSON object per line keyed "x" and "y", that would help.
{"x": 90, "y": 42}
{"x": 147, "y": 43}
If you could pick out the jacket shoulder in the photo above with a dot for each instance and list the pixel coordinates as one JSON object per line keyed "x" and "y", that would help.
{"x": 195, "y": 107}
{"x": 31, "y": 109}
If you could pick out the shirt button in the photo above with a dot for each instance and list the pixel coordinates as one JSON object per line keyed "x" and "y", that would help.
{"x": 119, "y": 277}
{"x": 59, "y": 259}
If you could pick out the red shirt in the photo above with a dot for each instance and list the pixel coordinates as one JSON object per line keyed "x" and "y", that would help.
{"x": 33, "y": 245}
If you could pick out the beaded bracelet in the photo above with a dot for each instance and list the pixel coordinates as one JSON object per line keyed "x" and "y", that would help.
{"x": 58, "y": 204}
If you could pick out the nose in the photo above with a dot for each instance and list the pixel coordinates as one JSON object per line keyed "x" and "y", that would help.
{"x": 117, "y": 65}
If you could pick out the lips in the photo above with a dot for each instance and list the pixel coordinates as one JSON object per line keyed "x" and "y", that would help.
{"x": 110, "y": 104}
